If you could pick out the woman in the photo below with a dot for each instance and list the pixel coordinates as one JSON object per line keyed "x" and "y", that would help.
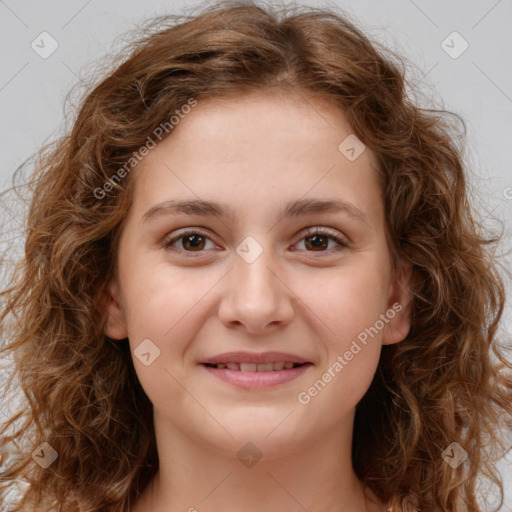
{"x": 253, "y": 281}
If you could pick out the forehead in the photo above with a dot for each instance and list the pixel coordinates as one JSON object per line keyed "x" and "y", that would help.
{"x": 258, "y": 149}
{"x": 282, "y": 122}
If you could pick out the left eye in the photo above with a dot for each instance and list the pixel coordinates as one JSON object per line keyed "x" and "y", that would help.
{"x": 317, "y": 240}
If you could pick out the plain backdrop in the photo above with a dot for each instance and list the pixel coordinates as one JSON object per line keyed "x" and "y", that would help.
{"x": 459, "y": 50}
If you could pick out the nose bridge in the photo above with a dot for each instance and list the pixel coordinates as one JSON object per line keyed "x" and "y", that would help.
{"x": 252, "y": 270}
{"x": 256, "y": 297}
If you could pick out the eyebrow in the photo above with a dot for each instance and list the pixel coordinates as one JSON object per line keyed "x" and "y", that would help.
{"x": 292, "y": 209}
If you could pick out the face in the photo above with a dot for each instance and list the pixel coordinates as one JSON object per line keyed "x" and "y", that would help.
{"x": 253, "y": 272}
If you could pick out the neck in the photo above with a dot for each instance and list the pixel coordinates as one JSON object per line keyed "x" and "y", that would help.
{"x": 318, "y": 477}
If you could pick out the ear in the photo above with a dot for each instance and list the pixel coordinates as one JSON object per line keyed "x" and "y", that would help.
{"x": 399, "y": 310}
{"x": 115, "y": 325}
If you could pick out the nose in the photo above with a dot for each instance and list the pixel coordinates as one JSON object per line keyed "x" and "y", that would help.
{"x": 257, "y": 298}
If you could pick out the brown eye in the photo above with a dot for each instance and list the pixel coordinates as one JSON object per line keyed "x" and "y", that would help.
{"x": 190, "y": 241}
{"x": 317, "y": 240}
{"x": 193, "y": 242}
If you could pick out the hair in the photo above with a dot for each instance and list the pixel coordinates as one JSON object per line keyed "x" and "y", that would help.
{"x": 448, "y": 381}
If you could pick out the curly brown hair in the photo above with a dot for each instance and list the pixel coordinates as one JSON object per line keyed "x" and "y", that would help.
{"x": 449, "y": 381}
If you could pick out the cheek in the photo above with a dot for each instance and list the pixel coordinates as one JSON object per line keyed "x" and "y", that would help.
{"x": 350, "y": 306}
{"x": 350, "y": 340}
{"x": 162, "y": 318}
{"x": 157, "y": 296}
{"x": 169, "y": 307}
{"x": 348, "y": 300}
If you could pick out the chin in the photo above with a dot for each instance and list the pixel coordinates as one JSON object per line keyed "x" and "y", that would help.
{"x": 262, "y": 442}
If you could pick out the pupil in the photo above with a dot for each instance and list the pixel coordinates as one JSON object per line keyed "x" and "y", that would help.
{"x": 317, "y": 238}
{"x": 189, "y": 240}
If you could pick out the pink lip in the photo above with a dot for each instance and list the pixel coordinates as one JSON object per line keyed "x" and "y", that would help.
{"x": 252, "y": 357}
{"x": 257, "y": 380}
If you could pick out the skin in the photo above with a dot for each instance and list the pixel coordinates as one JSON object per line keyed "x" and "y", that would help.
{"x": 253, "y": 154}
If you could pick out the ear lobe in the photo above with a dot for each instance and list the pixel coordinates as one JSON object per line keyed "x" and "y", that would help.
{"x": 115, "y": 323}
{"x": 399, "y": 306}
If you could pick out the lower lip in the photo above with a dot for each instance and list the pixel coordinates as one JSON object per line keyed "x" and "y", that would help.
{"x": 257, "y": 380}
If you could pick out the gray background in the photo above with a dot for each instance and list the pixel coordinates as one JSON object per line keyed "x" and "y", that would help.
{"x": 477, "y": 84}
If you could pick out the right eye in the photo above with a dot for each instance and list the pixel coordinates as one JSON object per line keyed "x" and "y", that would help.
{"x": 191, "y": 241}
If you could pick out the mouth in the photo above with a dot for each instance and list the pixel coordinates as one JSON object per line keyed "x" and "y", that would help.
{"x": 256, "y": 371}
{"x": 254, "y": 367}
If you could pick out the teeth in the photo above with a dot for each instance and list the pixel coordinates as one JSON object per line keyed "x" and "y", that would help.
{"x": 248, "y": 367}
{"x": 265, "y": 367}
{"x": 253, "y": 367}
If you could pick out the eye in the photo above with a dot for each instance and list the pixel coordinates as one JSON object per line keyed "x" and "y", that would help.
{"x": 317, "y": 239}
{"x": 191, "y": 241}
{"x": 195, "y": 241}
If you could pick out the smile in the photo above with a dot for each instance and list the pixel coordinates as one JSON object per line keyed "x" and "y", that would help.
{"x": 252, "y": 376}
{"x": 253, "y": 367}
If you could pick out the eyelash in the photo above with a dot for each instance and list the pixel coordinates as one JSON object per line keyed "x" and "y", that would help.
{"x": 343, "y": 244}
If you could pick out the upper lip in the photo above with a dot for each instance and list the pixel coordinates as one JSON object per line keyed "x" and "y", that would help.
{"x": 252, "y": 357}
